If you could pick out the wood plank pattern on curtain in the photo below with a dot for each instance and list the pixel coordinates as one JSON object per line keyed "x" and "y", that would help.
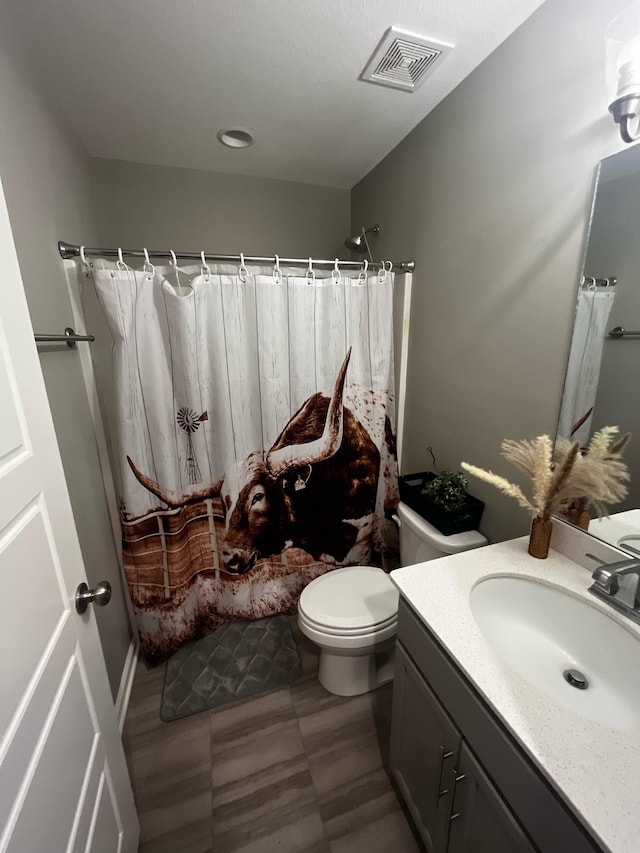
{"x": 252, "y": 428}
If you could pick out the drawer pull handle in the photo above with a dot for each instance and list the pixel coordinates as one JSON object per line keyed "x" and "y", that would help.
{"x": 440, "y": 791}
{"x": 457, "y": 777}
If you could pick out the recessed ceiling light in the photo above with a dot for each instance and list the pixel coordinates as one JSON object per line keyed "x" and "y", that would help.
{"x": 236, "y": 137}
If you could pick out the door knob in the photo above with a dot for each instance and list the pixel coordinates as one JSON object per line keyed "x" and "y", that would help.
{"x": 100, "y": 596}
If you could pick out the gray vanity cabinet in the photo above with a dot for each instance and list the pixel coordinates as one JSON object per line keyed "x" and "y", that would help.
{"x": 454, "y": 806}
{"x": 468, "y": 785}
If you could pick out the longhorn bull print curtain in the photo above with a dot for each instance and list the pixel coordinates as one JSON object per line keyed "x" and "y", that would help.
{"x": 251, "y": 424}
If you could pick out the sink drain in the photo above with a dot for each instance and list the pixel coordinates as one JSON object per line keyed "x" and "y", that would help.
{"x": 576, "y": 678}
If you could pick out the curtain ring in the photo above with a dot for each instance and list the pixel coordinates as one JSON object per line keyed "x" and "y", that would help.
{"x": 243, "y": 272}
{"x": 83, "y": 257}
{"x": 148, "y": 267}
{"x": 120, "y": 264}
{"x": 311, "y": 273}
{"x": 390, "y": 265}
{"x": 382, "y": 273}
{"x": 174, "y": 261}
{"x": 335, "y": 272}
{"x": 277, "y": 272}
{"x": 362, "y": 275}
{"x": 205, "y": 269}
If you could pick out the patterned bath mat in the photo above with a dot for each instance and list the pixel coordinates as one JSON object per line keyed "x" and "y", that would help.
{"x": 238, "y": 660}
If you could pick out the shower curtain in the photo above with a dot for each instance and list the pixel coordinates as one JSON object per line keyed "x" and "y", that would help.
{"x": 585, "y": 359}
{"x": 251, "y": 421}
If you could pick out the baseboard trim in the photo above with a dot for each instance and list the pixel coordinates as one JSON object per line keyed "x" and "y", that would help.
{"x": 126, "y": 682}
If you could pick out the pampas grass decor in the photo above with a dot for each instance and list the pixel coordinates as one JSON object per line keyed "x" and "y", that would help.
{"x": 565, "y": 476}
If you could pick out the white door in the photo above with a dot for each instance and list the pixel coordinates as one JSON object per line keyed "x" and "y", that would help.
{"x": 64, "y": 784}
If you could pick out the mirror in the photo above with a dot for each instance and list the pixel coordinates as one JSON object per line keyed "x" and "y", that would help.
{"x": 602, "y": 384}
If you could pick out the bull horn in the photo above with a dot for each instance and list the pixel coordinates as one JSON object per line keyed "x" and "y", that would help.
{"x": 282, "y": 459}
{"x": 168, "y": 497}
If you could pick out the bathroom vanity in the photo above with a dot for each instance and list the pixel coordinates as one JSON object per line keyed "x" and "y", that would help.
{"x": 489, "y": 756}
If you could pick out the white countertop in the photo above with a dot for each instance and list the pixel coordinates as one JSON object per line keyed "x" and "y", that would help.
{"x": 619, "y": 529}
{"x": 594, "y": 767}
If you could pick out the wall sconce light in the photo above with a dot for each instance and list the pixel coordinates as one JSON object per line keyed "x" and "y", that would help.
{"x": 623, "y": 71}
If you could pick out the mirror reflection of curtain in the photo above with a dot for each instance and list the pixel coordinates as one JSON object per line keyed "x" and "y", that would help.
{"x": 583, "y": 372}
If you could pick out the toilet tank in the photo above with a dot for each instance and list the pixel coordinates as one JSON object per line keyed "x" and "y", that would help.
{"x": 421, "y": 541}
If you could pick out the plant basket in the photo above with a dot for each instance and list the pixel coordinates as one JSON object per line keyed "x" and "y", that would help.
{"x": 467, "y": 517}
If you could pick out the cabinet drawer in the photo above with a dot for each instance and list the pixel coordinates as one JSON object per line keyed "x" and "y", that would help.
{"x": 545, "y": 816}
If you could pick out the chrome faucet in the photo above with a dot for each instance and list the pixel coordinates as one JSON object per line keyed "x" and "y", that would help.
{"x": 619, "y": 585}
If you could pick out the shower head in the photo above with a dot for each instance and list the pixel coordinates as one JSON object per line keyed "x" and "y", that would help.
{"x": 359, "y": 243}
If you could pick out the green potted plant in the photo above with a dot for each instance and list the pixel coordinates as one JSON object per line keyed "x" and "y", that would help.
{"x": 441, "y": 498}
{"x": 447, "y": 489}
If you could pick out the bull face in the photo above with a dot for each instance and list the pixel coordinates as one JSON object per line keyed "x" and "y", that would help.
{"x": 260, "y": 514}
{"x": 260, "y": 510}
{"x": 255, "y": 516}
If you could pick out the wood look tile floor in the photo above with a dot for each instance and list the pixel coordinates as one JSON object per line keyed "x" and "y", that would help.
{"x": 297, "y": 770}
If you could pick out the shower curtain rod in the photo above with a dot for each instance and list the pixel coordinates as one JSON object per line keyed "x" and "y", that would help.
{"x": 590, "y": 281}
{"x": 68, "y": 251}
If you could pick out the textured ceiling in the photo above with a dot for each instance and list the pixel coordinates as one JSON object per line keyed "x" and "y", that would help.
{"x": 152, "y": 81}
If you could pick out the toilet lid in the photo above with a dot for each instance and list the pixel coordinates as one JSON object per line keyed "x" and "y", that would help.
{"x": 353, "y": 598}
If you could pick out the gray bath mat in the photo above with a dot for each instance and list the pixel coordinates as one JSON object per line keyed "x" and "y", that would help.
{"x": 238, "y": 660}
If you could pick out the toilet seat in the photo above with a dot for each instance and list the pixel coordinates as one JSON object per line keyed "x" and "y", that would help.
{"x": 346, "y": 632}
{"x": 355, "y": 601}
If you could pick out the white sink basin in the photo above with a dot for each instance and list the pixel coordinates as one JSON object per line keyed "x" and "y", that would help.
{"x": 541, "y": 631}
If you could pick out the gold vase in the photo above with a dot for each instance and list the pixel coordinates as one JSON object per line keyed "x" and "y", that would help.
{"x": 583, "y": 520}
{"x": 579, "y": 517}
{"x": 540, "y": 537}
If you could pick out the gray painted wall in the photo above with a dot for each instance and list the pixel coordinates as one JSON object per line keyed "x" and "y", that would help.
{"x": 186, "y": 209}
{"x": 46, "y": 184}
{"x": 491, "y": 194}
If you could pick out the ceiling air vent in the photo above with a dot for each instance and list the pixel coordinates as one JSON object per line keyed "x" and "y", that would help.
{"x": 404, "y": 60}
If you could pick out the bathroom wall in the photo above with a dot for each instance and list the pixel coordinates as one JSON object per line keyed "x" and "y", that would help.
{"x": 46, "y": 183}
{"x": 491, "y": 195}
{"x": 160, "y": 207}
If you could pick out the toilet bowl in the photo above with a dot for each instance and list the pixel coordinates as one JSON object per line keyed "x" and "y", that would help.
{"x": 351, "y": 613}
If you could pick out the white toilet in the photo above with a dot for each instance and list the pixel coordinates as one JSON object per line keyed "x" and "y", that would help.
{"x": 351, "y": 613}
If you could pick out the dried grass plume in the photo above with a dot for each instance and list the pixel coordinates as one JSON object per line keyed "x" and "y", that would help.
{"x": 564, "y": 476}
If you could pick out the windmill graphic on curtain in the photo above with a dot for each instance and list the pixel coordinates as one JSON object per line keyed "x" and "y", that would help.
{"x": 190, "y": 422}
